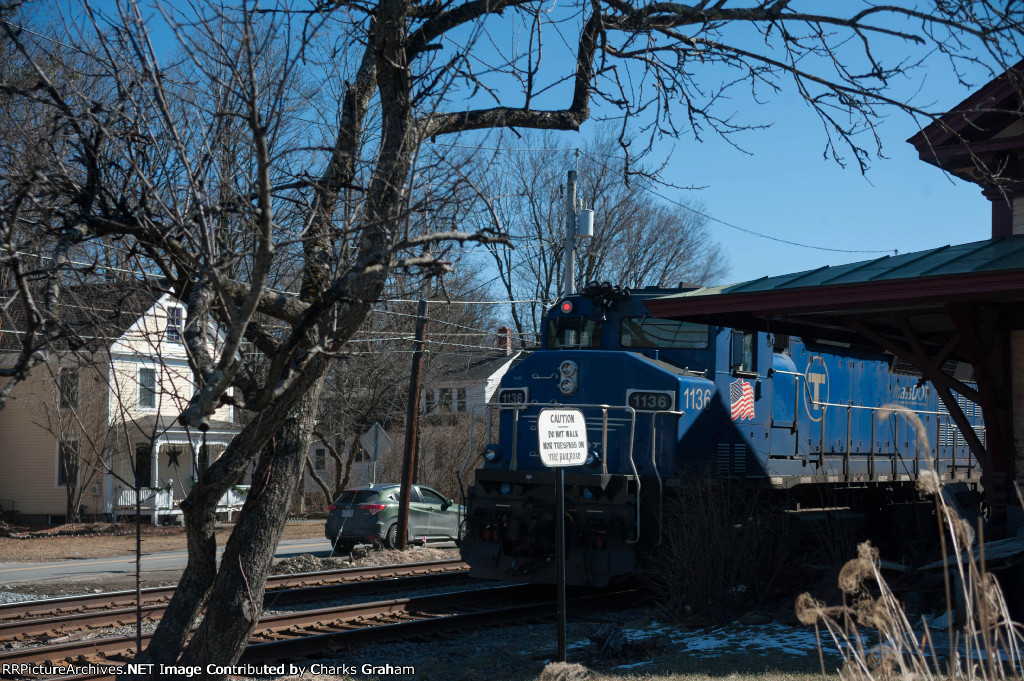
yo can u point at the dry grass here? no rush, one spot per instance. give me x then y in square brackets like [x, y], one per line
[989, 646]
[98, 545]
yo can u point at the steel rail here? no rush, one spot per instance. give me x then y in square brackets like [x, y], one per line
[65, 625]
[64, 605]
[280, 631]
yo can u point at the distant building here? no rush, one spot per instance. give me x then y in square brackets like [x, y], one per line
[100, 417]
[455, 386]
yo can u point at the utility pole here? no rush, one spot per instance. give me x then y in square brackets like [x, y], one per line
[411, 428]
[569, 278]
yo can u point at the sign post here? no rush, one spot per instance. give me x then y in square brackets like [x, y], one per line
[375, 441]
[562, 441]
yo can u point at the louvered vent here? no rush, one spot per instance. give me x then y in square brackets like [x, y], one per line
[961, 371]
[732, 460]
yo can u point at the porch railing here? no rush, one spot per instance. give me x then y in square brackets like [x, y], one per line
[160, 502]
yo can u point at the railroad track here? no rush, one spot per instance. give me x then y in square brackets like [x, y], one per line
[50, 607]
[60, 616]
[318, 632]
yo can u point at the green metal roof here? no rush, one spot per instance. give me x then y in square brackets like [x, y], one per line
[989, 256]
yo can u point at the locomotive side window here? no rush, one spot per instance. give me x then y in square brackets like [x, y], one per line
[573, 332]
[744, 352]
[643, 332]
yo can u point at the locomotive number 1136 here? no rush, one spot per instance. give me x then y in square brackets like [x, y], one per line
[642, 400]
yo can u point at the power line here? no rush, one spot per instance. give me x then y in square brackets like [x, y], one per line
[96, 265]
[517, 149]
[462, 302]
[737, 227]
[463, 345]
[429, 319]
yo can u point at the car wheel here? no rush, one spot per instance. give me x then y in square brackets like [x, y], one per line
[391, 538]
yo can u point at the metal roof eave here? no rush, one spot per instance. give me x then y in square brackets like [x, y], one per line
[875, 295]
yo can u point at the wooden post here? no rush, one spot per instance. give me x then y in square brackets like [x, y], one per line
[411, 428]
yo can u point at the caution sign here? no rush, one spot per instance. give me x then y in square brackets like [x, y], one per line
[562, 437]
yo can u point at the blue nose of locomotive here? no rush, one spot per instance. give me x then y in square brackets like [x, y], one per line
[630, 430]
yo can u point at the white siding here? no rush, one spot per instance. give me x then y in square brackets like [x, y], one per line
[1018, 215]
[495, 378]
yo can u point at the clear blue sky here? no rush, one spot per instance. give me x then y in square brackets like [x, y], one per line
[785, 188]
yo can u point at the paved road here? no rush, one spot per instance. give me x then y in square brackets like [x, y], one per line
[20, 573]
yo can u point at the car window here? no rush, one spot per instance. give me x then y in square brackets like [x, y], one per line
[432, 497]
[357, 496]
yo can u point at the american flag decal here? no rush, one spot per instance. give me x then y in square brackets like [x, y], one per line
[741, 398]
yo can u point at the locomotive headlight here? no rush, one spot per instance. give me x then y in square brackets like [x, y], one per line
[569, 380]
[492, 452]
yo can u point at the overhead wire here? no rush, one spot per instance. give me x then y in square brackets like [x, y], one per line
[745, 230]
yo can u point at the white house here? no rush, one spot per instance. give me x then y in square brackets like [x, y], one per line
[103, 416]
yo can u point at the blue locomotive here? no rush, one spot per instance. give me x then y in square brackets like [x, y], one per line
[665, 397]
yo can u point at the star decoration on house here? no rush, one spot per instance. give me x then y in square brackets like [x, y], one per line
[172, 456]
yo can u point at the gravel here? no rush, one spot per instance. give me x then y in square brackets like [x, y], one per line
[15, 597]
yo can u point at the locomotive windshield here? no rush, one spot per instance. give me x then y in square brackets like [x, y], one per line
[643, 332]
[573, 332]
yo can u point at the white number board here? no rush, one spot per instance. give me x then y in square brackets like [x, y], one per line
[562, 437]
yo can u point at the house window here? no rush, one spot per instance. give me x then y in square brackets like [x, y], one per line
[320, 459]
[143, 465]
[147, 388]
[428, 402]
[67, 463]
[460, 403]
[67, 386]
[175, 323]
[444, 400]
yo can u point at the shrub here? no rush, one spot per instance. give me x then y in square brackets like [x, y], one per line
[720, 549]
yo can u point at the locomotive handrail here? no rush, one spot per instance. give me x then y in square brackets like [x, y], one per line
[654, 463]
[492, 406]
[971, 459]
[870, 408]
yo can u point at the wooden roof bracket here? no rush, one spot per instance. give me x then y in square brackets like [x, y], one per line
[993, 476]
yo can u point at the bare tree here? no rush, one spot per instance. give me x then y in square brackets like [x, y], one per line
[638, 239]
[370, 385]
[231, 172]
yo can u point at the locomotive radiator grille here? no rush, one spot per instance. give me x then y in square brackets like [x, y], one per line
[732, 459]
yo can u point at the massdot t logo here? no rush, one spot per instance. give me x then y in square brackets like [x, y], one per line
[816, 388]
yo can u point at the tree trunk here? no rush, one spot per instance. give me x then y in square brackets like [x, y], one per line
[198, 579]
[239, 587]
